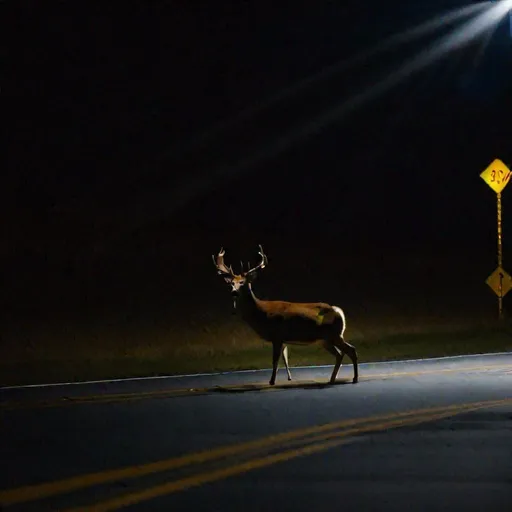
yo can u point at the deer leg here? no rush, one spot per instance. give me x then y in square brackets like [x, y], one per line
[336, 352]
[350, 350]
[285, 359]
[276, 354]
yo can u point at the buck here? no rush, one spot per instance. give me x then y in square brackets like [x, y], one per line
[287, 323]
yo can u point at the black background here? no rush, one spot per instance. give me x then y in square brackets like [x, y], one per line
[109, 168]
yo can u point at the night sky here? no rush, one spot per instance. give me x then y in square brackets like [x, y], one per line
[247, 120]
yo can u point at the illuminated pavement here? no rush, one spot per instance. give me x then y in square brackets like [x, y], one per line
[401, 439]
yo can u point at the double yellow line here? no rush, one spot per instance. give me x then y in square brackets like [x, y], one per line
[287, 445]
[180, 392]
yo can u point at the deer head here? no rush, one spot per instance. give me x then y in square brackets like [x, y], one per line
[238, 281]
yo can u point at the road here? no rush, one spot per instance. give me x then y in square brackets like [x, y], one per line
[415, 435]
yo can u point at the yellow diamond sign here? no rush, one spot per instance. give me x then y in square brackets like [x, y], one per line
[499, 280]
[497, 175]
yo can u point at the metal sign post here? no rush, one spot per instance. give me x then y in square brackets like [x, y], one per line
[497, 176]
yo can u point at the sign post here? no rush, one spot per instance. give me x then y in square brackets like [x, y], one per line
[497, 176]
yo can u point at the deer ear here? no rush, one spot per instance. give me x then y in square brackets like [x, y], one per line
[228, 279]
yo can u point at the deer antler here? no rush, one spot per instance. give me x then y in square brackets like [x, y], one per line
[221, 266]
[262, 264]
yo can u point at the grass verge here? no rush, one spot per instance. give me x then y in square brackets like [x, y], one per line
[162, 359]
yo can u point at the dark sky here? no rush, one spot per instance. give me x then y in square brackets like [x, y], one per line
[110, 103]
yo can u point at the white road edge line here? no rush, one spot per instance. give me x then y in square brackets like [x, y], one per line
[160, 377]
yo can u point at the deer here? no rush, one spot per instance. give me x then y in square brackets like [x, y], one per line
[285, 323]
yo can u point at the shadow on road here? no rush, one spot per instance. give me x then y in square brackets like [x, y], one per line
[67, 400]
[244, 388]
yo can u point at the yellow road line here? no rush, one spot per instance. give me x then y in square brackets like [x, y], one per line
[44, 490]
[101, 399]
[169, 393]
[337, 439]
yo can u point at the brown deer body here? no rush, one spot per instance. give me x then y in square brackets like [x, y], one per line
[288, 323]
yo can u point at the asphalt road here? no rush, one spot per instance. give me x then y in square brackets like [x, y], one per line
[430, 435]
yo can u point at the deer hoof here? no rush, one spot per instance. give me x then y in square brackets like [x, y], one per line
[355, 380]
[272, 382]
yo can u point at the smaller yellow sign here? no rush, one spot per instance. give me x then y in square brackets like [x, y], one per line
[500, 282]
[497, 175]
